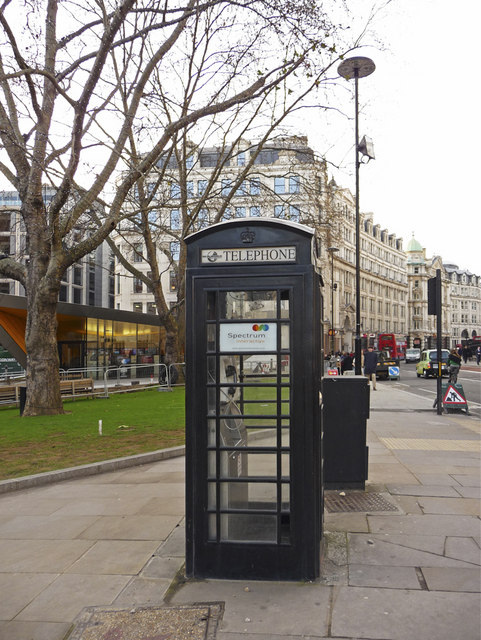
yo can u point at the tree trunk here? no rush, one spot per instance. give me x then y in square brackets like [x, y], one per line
[43, 382]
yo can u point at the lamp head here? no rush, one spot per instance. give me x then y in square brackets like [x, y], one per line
[366, 148]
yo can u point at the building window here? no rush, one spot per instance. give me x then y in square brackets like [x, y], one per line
[240, 212]
[77, 275]
[294, 213]
[279, 185]
[201, 187]
[137, 306]
[202, 219]
[241, 159]
[175, 219]
[137, 285]
[174, 190]
[255, 212]
[189, 162]
[226, 186]
[138, 252]
[63, 293]
[172, 281]
[175, 250]
[77, 295]
[255, 186]
[294, 184]
[279, 211]
[241, 189]
[151, 308]
[190, 189]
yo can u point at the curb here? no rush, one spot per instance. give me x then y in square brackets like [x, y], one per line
[83, 471]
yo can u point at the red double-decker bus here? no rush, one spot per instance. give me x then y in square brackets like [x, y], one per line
[396, 345]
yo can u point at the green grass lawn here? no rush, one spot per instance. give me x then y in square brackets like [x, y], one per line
[131, 423]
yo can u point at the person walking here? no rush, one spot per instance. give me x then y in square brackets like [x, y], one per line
[478, 355]
[346, 363]
[370, 366]
[454, 364]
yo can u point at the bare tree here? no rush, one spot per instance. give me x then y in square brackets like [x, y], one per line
[77, 84]
[168, 186]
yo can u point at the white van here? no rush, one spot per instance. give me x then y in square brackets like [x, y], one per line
[412, 355]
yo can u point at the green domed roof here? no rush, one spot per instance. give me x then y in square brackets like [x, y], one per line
[413, 245]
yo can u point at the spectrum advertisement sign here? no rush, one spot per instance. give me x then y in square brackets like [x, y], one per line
[248, 336]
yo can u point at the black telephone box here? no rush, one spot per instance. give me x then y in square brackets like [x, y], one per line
[253, 435]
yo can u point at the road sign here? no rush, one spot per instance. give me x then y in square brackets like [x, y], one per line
[454, 395]
[393, 372]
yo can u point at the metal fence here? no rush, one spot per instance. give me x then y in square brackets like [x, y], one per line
[109, 379]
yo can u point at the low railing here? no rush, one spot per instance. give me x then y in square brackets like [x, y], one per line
[111, 379]
[162, 375]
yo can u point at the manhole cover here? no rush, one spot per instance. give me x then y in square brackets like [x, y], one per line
[356, 501]
[195, 622]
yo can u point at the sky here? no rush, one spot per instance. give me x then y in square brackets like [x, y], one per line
[421, 107]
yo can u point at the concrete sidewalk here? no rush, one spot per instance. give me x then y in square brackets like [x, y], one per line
[117, 540]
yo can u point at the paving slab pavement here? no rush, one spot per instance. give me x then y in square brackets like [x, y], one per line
[116, 539]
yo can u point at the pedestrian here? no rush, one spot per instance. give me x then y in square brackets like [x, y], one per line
[338, 363]
[465, 354]
[346, 363]
[370, 366]
[478, 355]
[454, 364]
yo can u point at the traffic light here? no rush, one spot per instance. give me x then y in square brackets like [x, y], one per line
[432, 300]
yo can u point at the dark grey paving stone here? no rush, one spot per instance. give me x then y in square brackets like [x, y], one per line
[368, 550]
[469, 492]
[443, 579]
[464, 549]
[20, 630]
[143, 591]
[400, 614]
[468, 480]
[449, 525]
[386, 577]
[422, 490]
[458, 506]
[276, 608]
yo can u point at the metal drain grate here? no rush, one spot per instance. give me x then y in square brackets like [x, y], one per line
[197, 622]
[356, 501]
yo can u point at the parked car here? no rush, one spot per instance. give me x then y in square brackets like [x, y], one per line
[428, 364]
[412, 355]
[384, 361]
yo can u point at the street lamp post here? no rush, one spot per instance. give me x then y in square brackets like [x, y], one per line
[358, 67]
[332, 251]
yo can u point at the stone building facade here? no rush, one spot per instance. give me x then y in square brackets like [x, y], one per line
[284, 180]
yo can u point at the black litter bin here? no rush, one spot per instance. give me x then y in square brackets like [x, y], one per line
[22, 389]
[345, 410]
